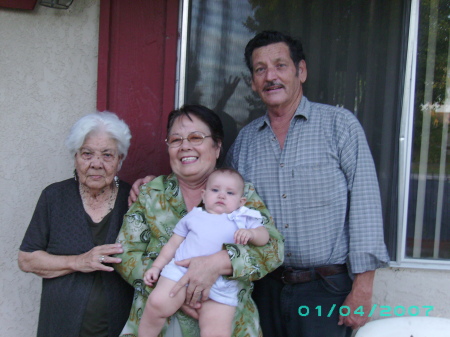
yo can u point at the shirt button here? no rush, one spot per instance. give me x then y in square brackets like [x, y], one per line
[282, 165]
[284, 196]
[286, 226]
[274, 139]
[288, 254]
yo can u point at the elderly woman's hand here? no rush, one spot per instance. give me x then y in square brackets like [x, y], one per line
[49, 266]
[202, 272]
[95, 258]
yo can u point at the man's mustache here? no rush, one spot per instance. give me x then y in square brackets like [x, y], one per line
[269, 85]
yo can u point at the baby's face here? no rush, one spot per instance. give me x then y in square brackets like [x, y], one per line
[223, 193]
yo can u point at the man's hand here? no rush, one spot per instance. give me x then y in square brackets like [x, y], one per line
[361, 295]
[202, 272]
[134, 192]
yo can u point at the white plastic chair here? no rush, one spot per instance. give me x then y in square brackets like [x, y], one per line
[415, 326]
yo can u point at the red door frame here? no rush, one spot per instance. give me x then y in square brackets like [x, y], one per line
[137, 75]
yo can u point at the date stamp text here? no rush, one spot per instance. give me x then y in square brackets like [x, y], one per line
[383, 310]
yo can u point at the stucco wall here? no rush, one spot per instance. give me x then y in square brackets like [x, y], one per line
[412, 287]
[48, 74]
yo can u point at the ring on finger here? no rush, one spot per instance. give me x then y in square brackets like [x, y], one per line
[101, 258]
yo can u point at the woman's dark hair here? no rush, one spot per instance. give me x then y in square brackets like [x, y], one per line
[206, 115]
[269, 37]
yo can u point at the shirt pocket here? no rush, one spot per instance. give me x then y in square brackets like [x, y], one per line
[318, 185]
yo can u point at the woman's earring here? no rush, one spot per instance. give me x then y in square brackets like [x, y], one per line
[116, 180]
[75, 174]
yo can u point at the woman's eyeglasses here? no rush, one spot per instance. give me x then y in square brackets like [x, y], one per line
[195, 138]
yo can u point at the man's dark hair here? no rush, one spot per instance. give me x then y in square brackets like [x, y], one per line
[269, 37]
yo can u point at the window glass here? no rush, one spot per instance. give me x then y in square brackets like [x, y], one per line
[428, 222]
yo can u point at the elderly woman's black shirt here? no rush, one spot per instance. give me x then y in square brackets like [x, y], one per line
[59, 226]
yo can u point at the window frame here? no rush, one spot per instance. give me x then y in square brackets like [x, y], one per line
[183, 25]
[405, 151]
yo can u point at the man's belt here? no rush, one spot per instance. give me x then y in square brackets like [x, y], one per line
[289, 275]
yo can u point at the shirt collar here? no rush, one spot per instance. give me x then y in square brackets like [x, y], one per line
[303, 110]
[173, 191]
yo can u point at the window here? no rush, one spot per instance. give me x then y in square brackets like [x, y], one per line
[358, 56]
[425, 216]
[355, 54]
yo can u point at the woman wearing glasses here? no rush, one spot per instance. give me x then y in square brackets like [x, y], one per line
[194, 139]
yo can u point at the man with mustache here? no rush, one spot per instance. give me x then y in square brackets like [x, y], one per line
[312, 166]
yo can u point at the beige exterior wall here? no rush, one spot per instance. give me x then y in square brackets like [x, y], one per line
[48, 77]
[412, 287]
[48, 74]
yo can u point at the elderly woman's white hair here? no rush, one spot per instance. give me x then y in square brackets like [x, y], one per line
[95, 122]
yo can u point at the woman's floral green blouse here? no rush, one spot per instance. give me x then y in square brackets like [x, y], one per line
[148, 226]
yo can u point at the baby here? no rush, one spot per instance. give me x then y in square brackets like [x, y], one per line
[202, 232]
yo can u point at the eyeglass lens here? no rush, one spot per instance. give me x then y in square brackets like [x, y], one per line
[195, 138]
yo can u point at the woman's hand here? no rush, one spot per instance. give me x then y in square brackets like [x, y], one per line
[190, 311]
[48, 265]
[95, 258]
[134, 192]
[202, 272]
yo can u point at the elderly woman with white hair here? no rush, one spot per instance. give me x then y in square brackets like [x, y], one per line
[70, 241]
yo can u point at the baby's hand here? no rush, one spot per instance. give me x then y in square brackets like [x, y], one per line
[151, 276]
[242, 236]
